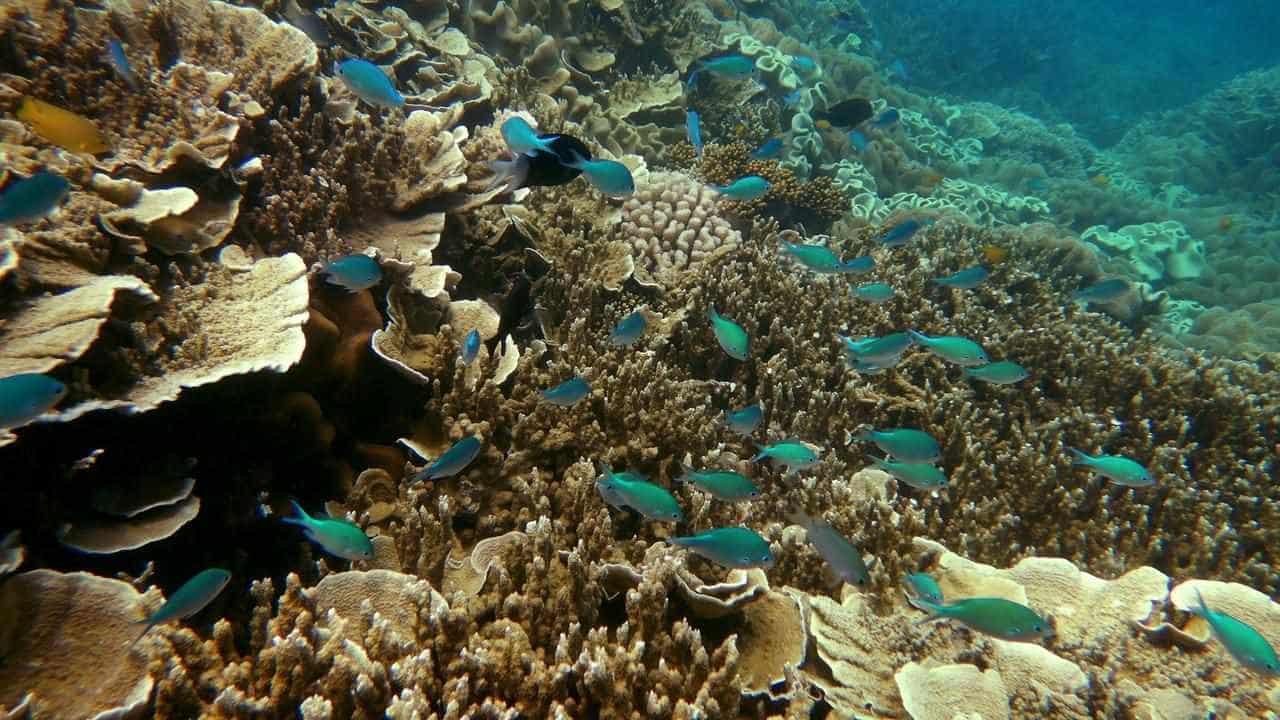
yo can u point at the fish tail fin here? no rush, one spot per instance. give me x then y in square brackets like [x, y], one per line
[687, 474]
[683, 541]
[918, 336]
[693, 79]
[1201, 608]
[879, 461]
[575, 159]
[302, 519]
[1079, 457]
[936, 611]
[509, 173]
[763, 454]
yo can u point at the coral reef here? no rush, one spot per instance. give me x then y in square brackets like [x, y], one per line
[180, 285]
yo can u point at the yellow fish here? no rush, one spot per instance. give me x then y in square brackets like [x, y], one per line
[822, 124]
[62, 127]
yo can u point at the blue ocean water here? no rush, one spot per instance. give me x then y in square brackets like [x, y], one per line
[1098, 65]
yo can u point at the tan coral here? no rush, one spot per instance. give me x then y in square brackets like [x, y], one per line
[395, 597]
[104, 536]
[67, 628]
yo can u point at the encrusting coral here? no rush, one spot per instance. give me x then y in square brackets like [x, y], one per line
[182, 280]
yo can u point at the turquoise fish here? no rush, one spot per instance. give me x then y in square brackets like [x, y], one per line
[771, 149]
[859, 265]
[628, 330]
[1005, 372]
[961, 351]
[194, 595]
[731, 547]
[905, 444]
[452, 461]
[631, 490]
[966, 279]
[26, 396]
[874, 293]
[744, 189]
[793, 454]
[336, 537]
[353, 272]
[470, 347]
[1118, 469]
[997, 617]
[721, 484]
[745, 420]
[1102, 292]
[858, 140]
[30, 199]
[568, 392]
[737, 66]
[1245, 644]
[821, 259]
[882, 352]
[367, 82]
[923, 587]
[693, 128]
[901, 233]
[843, 556]
[522, 139]
[120, 63]
[732, 338]
[608, 176]
[921, 476]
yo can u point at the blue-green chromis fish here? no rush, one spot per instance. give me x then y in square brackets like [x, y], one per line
[901, 233]
[732, 338]
[120, 63]
[336, 537]
[452, 461]
[794, 454]
[880, 352]
[1118, 469]
[730, 65]
[1102, 292]
[731, 547]
[1005, 372]
[630, 490]
[693, 128]
[194, 595]
[31, 199]
[771, 149]
[803, 64]
[522, 139]
[997, 617]
[1245, 644]
[842, 555]
[744, 421]
[905, 444]
[744, 189]
[568, 392]
[470, 347]
[608, 176]
[353, 272]
[721, 484]
[820, 259]
[966, 279]
[921, 476]
[923, 587]
[874, 293]
[27, 396]
[961, 351]
[628, 330]
[367, 82]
